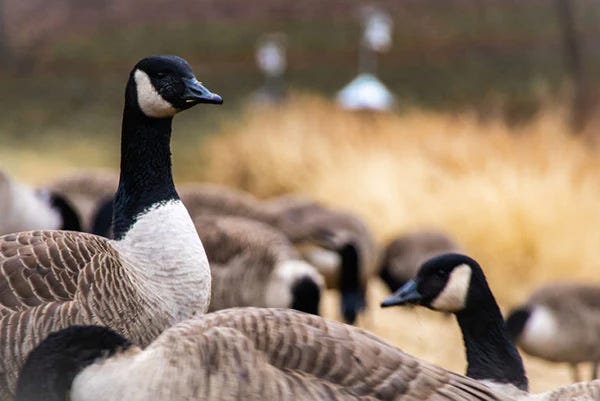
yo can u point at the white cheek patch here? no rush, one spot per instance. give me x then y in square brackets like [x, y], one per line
[539, 335]
[287, 273]
[454, 296]
[150, 101]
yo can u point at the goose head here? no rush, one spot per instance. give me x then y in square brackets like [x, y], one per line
[165, 85]
[52, 366]
[444, 283]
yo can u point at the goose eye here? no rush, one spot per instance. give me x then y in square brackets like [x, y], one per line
[160, 74]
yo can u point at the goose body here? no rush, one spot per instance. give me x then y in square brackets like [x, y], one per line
[560, 323]
[24, 208]
[337, 243]
[252, 264]
[153, 274]
[402, 256]
[455, 283]
[239, 354]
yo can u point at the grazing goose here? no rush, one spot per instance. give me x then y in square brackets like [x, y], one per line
[337, 243]
[24, 208]
[85, 189]
[402, 257]
[262, 260]
[560, 323]
[154, 274]
[237, 354]
[455, 283]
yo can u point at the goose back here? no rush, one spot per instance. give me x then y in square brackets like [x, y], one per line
[402, 256]
[252, 264]
[269, 354]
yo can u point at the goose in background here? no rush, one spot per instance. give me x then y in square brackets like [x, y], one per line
[402, 256]
[560, 323]
[252, 264]
[337, 243]
[237, 354]
[153, 275]
[86, 190]
[455, 283]
[24, 208]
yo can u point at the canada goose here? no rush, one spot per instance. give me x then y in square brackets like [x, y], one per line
[85, 189]
[455, 283]
[24, 208]
[237, 354]
[403, 256]
[245, 251]
[337, 243]
[560, 323]
[154, 274]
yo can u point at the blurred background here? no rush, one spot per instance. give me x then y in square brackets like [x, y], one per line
[489, 129]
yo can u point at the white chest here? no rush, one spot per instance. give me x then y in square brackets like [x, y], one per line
[166, 256]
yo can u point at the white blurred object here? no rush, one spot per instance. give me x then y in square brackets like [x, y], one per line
[366, 92]
[272, 61]
[270, 54]
[377, 33]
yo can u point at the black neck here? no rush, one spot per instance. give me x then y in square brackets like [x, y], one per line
[146, 178]
[490, 353]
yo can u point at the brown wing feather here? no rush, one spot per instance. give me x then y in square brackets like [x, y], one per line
[53, 279]
[341, 357]
[38, 267]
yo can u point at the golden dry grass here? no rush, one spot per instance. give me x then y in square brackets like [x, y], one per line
[525, 202]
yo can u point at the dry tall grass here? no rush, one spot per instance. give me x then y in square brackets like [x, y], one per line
[524, 201]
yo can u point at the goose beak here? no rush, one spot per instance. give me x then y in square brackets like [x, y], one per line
[195, 93]
[407, 294]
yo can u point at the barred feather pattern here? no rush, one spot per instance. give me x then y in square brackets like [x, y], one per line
[244, 256]
[271, 354]
[53, 279]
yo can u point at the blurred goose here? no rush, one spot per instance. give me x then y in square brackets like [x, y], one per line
[337, 243]
[252, 264]
[237, 354]
[154, 274]
[24, 208]
[455, 283]
[403, 256]
[85, 189]
[560, 323]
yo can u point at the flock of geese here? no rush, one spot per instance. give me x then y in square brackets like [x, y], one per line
[115, 289]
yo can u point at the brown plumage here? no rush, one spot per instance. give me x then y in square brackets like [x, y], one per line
[337, 243]
[253, 264]
[266, 354]
[560, 323]
[402, 257]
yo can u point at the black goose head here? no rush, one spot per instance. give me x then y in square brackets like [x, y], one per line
[60, 204]
[52, 365]
[516, 322]
[165, 85]
[444, 283]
